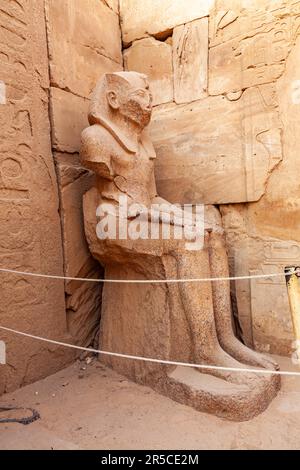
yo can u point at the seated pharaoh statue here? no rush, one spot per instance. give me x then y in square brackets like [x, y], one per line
[166, 316]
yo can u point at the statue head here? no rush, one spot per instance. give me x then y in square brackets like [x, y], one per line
[122, 94]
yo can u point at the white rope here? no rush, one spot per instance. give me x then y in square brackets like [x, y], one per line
[157, 361]
[146, 281]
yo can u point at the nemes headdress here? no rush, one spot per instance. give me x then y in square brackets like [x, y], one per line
[117, 81]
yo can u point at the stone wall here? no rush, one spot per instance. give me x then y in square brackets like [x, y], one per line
[84, 41]
[225, 78]
[51, 55]
[30, 234]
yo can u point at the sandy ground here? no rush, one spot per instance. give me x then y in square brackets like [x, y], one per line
[96, 408]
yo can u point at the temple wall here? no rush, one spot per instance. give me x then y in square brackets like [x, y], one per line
[84, 41]
[51, 55]
[225, 79]
[30, 233]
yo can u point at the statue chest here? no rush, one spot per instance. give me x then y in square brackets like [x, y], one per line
[136, 168]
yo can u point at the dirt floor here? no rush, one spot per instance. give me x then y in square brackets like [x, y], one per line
[87, 406]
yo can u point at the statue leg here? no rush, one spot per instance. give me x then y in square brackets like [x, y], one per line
[197, 300]
[222, 307]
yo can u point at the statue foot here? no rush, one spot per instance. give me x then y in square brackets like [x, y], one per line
[223, 359]
[246, 355]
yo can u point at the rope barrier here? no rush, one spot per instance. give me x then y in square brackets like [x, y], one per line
[140, 358]
[156, 361]
[147, 281]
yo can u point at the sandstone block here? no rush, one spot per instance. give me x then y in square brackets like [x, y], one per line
[156, 17]
[69, 118]
[153, 58]
[84, 41]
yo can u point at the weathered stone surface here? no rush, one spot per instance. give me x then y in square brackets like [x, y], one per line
[83, 300]
[153, 58]
[203, 146]
[154, 17]
[190, 60]
[250, 47]
[30, 236]
[68, 119]
[84, 41]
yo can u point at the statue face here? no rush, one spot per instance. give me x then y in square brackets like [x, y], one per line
[134, 103]
[139, 105]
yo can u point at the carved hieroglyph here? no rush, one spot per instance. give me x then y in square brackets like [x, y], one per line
[248, 47]
[30, 238]
[180, 322]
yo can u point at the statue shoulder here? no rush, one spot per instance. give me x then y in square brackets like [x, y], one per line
[96, 137]
[96, 149]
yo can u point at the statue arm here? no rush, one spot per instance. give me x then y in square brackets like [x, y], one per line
[212, 219]
[168, 211]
